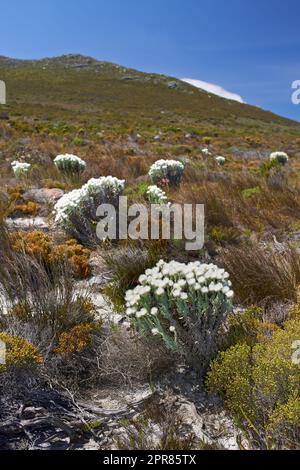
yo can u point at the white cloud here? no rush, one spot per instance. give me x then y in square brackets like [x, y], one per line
[215, 89]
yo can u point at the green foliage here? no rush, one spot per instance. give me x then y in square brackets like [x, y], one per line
[261, 385]
[248, 327]
[127, 265]
[136, 192]
[184, 306]
[250, 192]
[267, 166]
[19, 353]
[224, 234]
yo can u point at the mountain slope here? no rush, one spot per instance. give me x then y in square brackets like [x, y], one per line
[83, 88]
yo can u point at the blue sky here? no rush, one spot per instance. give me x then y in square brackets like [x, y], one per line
[250, 47]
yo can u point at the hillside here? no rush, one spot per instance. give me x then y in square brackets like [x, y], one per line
[86, 90]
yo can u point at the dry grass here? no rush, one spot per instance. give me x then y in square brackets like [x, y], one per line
[263, 273]
[229, 202]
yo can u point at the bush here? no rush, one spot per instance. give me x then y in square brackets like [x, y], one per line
[69, 165]
[220, 160]
[183, 305]
[19, 353]
[250, 192]
[76, 211]
[261, 386]
[28, 208]
[20, 169]
[156, 195]
[267, 166]
[76, 340]
[166, 172]
[224, 235]
[248, 327]
[40, 246]
[279, 157]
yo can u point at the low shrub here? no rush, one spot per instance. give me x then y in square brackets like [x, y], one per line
[220, 160]
[76, 211]
[267, 166]
[166, 172]
[20, 169]
[224, 235]
[39, 245]
[279, 157]
[261, 387]
[156, 195]
[248, 327]
[28, 208]
[251, 192]
[76, 340]
[182, 305]
[69, 165]
[19, 353]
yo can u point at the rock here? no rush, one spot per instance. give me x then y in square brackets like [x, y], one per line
[24, 141]
[43, 195]
[31, 412]
[27, 223]
[173, 85]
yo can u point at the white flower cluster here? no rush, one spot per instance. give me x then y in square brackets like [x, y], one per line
[156, 195]
[175, 287]
[206, 151]
[76, 199]
[104, 185]
[166, 169]
[280, 157]
[69, 163]
[20, 168]
[220, 160]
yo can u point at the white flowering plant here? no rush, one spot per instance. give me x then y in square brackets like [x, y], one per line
[69, 164]
[20, 169]
[156, 195]
[279, 157]
[76, 210]
[164, 172]
[184, 305]
[220, 160]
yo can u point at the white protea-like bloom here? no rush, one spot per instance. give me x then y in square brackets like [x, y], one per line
[68, 163]
[279, 157]
[206, 151]
[20, 168]
[74, 201]
[156, 195]
[167, 171]
[169, 292]
[220, 160]
[104, 185]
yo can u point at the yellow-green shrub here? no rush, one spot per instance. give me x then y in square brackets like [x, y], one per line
[261, 385]
[19, 353]
[248, 327]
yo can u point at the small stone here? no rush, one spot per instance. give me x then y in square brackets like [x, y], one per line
[43, 195]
